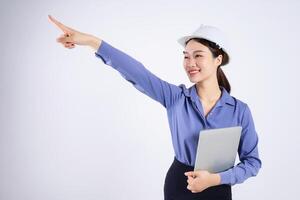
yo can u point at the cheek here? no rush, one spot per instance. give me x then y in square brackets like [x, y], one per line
[208, 65]
[208, 69]
[185, 65]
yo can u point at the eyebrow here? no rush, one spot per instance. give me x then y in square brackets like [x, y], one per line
[184, 52]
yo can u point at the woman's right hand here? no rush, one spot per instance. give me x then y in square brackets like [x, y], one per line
[71, 37]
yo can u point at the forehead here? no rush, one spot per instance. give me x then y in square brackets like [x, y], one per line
[193, 47]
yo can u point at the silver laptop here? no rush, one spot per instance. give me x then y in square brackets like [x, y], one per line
[217, 149]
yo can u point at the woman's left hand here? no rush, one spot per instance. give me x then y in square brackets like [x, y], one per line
[200, 180]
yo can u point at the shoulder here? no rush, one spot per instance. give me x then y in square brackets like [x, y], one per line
[185, 90]
[241, 108]
[244, 112]
[234, 102]
[240, 103]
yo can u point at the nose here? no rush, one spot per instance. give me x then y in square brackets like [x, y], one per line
[192, 62]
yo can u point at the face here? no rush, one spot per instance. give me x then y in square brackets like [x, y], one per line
[199, 62]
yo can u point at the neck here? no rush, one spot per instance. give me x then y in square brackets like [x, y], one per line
[209, 90]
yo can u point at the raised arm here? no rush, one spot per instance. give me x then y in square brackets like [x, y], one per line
[130, 69]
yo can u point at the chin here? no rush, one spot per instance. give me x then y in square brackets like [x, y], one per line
[193, 80]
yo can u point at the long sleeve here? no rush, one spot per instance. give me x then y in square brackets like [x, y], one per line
[248, 153]
[140, 77]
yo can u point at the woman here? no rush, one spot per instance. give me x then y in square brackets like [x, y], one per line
[205, 105]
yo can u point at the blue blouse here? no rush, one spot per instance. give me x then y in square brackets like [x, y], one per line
[186, 117]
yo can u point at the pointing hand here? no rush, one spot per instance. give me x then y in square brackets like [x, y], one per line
[72, 37]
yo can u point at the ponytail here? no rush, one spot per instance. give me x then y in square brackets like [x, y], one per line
[222, 80]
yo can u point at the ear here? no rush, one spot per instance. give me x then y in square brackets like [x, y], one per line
[218, 60]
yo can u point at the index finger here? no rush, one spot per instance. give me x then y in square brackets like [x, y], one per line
[64, 28]
[189, 173]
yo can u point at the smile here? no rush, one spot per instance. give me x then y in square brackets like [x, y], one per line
[193, 72]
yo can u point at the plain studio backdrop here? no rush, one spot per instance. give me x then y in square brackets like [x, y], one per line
[73, 129]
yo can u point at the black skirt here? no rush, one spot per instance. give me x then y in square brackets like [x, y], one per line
[175, 187]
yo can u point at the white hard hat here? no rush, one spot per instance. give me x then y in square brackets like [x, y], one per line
[210, 33]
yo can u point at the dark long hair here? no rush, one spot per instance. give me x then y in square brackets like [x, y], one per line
[216, 51]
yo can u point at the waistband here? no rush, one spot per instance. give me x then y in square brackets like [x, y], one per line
[178, 163]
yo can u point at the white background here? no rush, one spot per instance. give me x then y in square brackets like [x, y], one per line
[72, 128]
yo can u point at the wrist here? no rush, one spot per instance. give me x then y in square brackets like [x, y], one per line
[94, 42]
[215, 179]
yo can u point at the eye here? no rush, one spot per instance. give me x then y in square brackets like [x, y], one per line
[185, 57]
[198, 56]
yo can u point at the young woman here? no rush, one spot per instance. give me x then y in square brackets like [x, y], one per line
[205, 105]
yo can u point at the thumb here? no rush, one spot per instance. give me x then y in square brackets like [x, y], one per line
[65, 38]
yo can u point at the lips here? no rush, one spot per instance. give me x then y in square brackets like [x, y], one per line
[194, 71]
